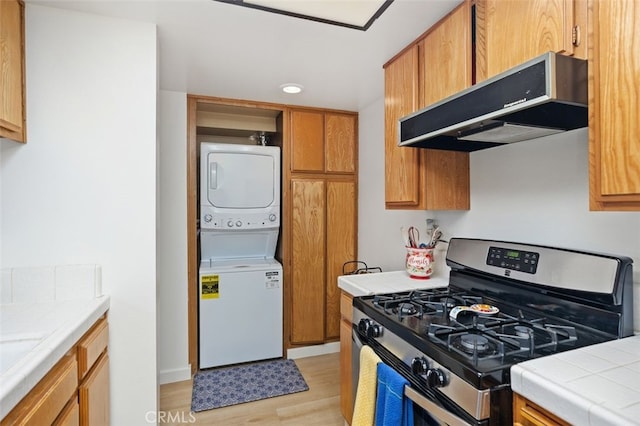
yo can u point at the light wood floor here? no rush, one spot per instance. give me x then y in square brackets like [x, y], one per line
[320, 405]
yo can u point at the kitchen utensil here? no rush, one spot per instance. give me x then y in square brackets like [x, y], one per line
[435, 237]
[414, 236]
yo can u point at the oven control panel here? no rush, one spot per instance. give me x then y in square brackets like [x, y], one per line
[517, 260]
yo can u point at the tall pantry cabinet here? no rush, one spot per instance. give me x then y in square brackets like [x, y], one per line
[321, 178]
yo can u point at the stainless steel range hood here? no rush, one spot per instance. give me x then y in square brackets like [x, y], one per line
[544, 96]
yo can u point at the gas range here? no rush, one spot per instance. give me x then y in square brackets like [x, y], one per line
[505, 303]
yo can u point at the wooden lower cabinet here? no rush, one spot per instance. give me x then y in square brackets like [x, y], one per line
[70, 394]
[526, 413]
[93, 368]
[49, 397]
[346, 371]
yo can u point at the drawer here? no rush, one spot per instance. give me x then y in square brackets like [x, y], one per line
[49, 397]
[92, 345]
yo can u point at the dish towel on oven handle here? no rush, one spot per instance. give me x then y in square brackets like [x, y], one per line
[365, 405]
[392, 407]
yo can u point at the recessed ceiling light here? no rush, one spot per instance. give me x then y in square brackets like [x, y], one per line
[291, 88]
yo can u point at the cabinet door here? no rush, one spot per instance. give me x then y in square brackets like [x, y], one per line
[445, 68]
[526, 413]
[307, 136]
[340, 142]
[12, 108]
[49, 397]
[512, 32]
[346, 346]
[94, 395]
[341, 245]
[614, 68]
[308, 261]
[402, 165]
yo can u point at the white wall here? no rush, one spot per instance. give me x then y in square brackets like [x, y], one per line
[173, 353]
[535, 191]
[379, 236]
[82, 190]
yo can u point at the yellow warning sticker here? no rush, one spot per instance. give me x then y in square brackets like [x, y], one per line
[210, 286]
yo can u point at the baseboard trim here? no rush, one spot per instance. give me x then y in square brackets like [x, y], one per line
[307, 351]
[174, 375]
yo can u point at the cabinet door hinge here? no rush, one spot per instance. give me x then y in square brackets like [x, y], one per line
[575, 35]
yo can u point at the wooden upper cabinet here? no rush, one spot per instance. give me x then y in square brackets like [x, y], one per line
[341, 134]
[435, 67]
[510, 32]
[614, 78]
[323, 141]
[402, 165]
[307, 135]
[12, 90]
[445, 69]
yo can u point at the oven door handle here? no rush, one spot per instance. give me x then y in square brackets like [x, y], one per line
[435, 410]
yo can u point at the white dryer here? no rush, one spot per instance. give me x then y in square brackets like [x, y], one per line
[240, 282]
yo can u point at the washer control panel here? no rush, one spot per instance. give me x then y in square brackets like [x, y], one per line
[239, 221]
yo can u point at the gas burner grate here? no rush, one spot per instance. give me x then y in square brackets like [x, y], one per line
[490, 337]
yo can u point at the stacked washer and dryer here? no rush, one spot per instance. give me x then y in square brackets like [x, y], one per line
[240, 282]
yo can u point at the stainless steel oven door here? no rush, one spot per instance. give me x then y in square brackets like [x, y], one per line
[426, 412]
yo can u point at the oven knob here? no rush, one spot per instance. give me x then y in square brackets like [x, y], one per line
[272, 217]
[436, 378]
[374, 330]
[419, 365]
[363, 325]
[230, 223]
[207, 218]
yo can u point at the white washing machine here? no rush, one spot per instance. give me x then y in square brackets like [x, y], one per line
[240, 311]
[240, 282]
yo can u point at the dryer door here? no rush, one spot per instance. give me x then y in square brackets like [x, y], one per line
[237, 180]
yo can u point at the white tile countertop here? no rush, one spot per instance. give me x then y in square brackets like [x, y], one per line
[387, 282]
[594, 385]
[43, 313]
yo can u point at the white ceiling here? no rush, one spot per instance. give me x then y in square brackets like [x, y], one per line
[217, 49]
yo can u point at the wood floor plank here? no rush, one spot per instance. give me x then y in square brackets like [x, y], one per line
[320, 405]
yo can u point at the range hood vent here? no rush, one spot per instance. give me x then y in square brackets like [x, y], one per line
[541, 97]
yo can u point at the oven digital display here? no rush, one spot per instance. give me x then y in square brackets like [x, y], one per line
[516, 260]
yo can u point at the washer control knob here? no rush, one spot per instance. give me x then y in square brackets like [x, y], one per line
[238, 223]
[207, 218]
[436, 378]
[230, 224]
[272, 217]
[419, 365]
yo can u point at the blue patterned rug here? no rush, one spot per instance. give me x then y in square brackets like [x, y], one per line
[222, 387]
